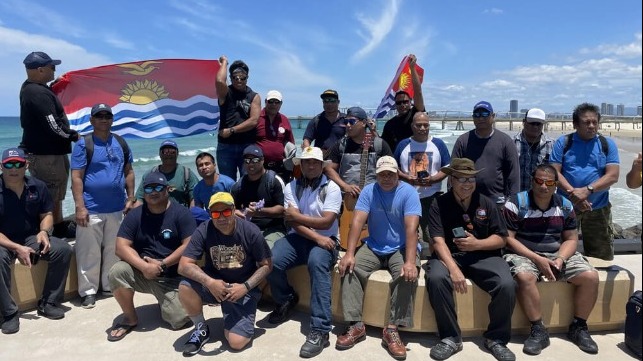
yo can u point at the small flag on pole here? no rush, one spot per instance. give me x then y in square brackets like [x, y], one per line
[162, 98]
[401, 81]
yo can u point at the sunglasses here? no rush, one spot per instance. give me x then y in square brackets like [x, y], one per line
[104, 116]
[351, 121]
[168, 151]
[535, 124]
[16, 165]
[156, 188]
[239, 78]
[481, 114]
[329, 100]
[402, 102]
[465, 179]
[251, 160]
[217, 214]
[548, 182]
[273, 101]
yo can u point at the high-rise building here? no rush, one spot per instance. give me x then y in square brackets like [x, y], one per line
[604, 108]
[513, 106]
[620, 110]
[610, 109]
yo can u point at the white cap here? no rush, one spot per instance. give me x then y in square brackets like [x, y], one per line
[274, 94]
[535, 115]
[311, 153]
[386, 163]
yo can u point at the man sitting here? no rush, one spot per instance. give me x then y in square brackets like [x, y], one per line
[542, 243]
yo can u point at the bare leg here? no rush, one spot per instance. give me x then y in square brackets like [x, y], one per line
[528, 295]
[236, 342]
[125, 298]
[585, 293]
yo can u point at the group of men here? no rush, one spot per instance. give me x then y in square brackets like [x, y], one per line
[509, 218]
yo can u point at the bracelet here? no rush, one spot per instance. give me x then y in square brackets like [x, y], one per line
[562, 259]
[247, 285]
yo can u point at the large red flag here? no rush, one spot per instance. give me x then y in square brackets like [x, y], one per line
[401, 81]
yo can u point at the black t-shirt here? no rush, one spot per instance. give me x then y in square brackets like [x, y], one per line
[483, 219]
[232, 258]
[323, 132]
[157, 235]
[398, 128]
[234, 111]
[335, 154]
[267, 188]
[20, 217]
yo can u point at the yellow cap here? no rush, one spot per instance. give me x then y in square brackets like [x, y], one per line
[221, 197]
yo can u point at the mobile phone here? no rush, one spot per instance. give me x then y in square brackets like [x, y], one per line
[422, 174]
[34, 257]
[459, 233]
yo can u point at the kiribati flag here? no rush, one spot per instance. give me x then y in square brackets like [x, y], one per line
[401, 81]
[162, 98]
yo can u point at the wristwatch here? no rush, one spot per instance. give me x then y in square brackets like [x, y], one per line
[163, 267]
[231, 130]
[590, 189]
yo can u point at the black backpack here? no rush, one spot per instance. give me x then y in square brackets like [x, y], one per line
[568, 145]
[89, 149]
[633, 324]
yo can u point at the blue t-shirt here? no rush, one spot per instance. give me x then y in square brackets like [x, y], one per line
[203, 192]
[585, 163]
[104, 183]
[386, 212]
[157, 235]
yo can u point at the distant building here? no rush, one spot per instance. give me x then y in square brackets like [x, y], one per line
[620, 110]
[513, 107]
[604, 108]
[610, 109]
[639, 110]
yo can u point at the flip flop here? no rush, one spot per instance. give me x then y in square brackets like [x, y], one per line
[119, 327]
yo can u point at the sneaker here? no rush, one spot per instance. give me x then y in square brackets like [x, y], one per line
[315, 343]
[199, 337]
[88, 301]
[394, 345]
[11, 323]
[352, 335]
[50, 310]
[580, 336]
[538, 339]
[499, 350]
[445, 349]
[281, 312]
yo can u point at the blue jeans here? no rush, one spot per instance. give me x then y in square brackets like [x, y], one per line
[294, 250]
[230, 159]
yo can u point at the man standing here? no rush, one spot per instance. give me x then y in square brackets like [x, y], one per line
[399, 127]
[325, 129]
[25, 233]
[587, 165]
[533, 146]
[392, 209]
[237, 260]
[46, 136]
[102, 181]
[150, 242]
[259, 196]
[212, 181]
[420, 157]
[468, 236]
[494, 154]
[239, 108]
[312, 203]
[181, 179]
[542, 242]
[273, 133]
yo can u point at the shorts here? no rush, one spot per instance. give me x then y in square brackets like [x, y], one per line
[575, 265]
[53, 170]
[238, 317]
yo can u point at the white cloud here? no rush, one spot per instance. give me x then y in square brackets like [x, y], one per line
[377, 29]
[118, 42]
[42, 17]
[494, 11]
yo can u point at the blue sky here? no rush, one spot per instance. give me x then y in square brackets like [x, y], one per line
[549, 54]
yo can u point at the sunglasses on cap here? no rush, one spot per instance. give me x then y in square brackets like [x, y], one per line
[217, 214]
[547, 182]
[153, 188]
[402, 102]
[481, 114]
[465, 179]
[16, 165]
[273, 101]
[251, 160]
[329, 100]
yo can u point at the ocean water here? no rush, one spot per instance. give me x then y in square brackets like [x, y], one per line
[626, 203]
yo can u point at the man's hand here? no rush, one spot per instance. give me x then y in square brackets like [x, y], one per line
[352, 189]
[326, 243]
[153, 269]
[409, 272]
[467, 244]
[577, 195]
[235, 291]
[82, 216]
[412, 60]
[223, 60]
[291, 213]
[22, 253]
[458, 281]
[218, 289]
[346, 264]
[129, 205]
[43, 242]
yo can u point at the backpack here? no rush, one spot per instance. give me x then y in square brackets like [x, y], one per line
[523, 205]
[300, 186]
[271, 177]
[89, 149]
[633, 338]
[568, 145]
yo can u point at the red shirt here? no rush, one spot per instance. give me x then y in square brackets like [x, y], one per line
[273, 135]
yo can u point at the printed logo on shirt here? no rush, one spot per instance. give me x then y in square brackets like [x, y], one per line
[481, 214]
[227, 257]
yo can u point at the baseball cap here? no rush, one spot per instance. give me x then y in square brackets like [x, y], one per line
[169, 143]
[253, 150]
[221, 197]
[155, 178]
[311, 153]
[356, 112]
[100, 107]
[39, 59]
[329, 93]
[460, 165]
[535, 115]
[15, 154]
[274, 94]
[483, 105]
[386, 163]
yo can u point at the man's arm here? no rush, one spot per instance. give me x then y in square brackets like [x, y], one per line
[126, 252]
[511, 169]
[253, 119]
[633, 178]
[263, 270]
[331, 172]
[293, 216]
[175, 256]
[22, 252]
[77, 186]
[221, 84]
[418, 98]
[409, 269]
[130, 187]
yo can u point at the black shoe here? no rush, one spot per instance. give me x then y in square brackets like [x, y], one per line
[88, 301]
[199, 337]
[580, 336]
[11, 323]
[499, 350]
[50, 310]
[538, 339]
[281, 312]
[444, 350]
[315, 343]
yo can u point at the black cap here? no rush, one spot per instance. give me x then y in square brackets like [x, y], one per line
[155, 178]
[39, 59]
[100, 107]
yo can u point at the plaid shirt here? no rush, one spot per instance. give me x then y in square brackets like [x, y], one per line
[530, 156]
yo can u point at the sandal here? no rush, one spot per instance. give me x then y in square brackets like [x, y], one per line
[125, 329]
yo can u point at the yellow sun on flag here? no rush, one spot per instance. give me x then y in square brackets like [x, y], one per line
[405, 81]
[143, 92]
